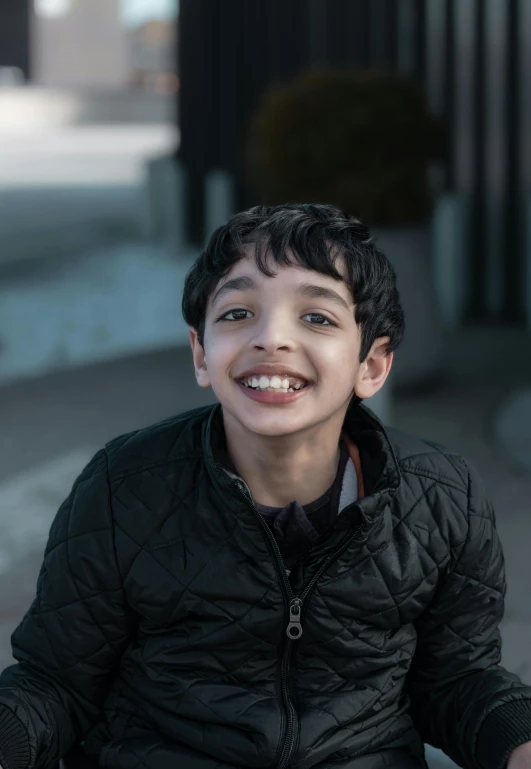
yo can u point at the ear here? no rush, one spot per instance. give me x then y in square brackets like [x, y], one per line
[199, 358]
[374, 370]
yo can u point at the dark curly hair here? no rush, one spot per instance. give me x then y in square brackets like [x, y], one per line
[315, 234]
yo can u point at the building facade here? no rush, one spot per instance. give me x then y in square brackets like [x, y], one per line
[83, 44]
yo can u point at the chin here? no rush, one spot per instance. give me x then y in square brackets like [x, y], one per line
[262, 420]
[273, 428]
[271, 425]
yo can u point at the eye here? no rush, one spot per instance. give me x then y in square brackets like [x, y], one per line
[230, 312]
[327, 321]
[318, 315]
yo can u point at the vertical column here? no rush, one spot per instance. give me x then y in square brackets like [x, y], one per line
[15, 35]
[463, 137]
[406, 37]
[449, 90]
[383, 34]
[391, 34]
[196, 104]
[449, 261]
[317, 27]
[435, 20]
[362, 33]
[513, 237]
[377, 34]
[495, 78]
[477, 305]
[525, 136]
[420, 40]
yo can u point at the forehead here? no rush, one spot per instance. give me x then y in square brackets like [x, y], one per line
[245, 275]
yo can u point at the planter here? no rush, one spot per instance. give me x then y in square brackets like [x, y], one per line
[450, 270]
[418, 362]
[511, 426]
[163, 204]
[165, 189]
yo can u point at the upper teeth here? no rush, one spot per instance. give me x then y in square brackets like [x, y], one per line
[275, 381]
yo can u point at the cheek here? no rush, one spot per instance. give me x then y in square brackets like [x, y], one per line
[338, 365]
[333, 356]
[220, 356]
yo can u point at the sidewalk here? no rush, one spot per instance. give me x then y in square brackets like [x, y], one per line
[63, 312]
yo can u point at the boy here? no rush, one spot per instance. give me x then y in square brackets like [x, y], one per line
[275, 580]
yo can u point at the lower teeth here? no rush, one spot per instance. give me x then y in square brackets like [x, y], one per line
[274, 389]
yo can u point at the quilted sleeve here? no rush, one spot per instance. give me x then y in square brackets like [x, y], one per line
[70, 641]
[462, 701]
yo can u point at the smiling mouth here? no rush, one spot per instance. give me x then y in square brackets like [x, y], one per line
[274, 389]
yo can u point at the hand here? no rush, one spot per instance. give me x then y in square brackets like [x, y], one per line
[520, 758]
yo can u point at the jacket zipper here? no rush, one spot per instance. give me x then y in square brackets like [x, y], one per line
[294, 627]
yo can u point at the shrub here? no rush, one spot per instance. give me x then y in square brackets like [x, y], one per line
[361, 141]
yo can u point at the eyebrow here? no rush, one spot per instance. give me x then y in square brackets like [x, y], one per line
[246, 283]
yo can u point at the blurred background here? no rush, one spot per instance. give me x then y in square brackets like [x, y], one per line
[130, 129]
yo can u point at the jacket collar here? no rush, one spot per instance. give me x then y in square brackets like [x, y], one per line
[381, 473]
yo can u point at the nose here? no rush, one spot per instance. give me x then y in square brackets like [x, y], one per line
[273, 332]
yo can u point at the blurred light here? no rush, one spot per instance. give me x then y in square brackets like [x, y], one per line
[52, 9]
[138, 12]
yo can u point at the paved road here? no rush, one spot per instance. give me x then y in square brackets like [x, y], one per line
[64, 190]
[81, 155]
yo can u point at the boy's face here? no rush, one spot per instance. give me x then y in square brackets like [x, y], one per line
[275, 323]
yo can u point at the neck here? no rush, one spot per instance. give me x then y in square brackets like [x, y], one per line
[281, 469]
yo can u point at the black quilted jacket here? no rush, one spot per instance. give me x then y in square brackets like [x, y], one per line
[158, 633]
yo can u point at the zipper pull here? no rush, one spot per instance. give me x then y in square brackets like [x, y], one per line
[294, 629]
